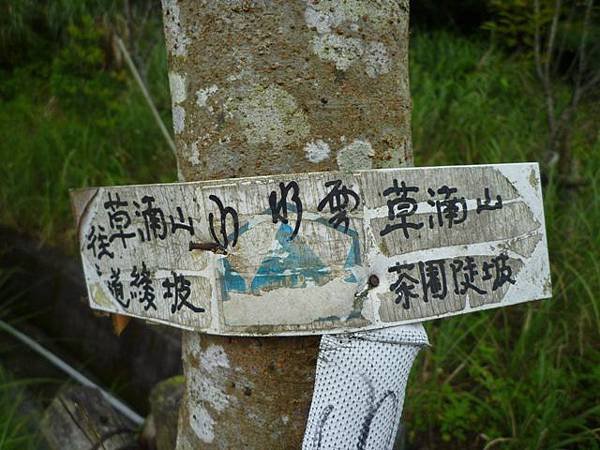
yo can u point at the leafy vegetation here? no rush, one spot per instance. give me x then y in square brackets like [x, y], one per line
[76, 120]
[522, 377]
[562, 39]
[519, 377]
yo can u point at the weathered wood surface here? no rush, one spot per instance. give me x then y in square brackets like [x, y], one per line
[80, 419]
[440, 241]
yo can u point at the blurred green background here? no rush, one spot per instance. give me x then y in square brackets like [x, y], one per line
[527, 376]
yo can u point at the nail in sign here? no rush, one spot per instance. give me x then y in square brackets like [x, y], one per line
[316, 252]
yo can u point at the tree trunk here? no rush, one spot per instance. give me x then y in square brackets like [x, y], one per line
[261, 87]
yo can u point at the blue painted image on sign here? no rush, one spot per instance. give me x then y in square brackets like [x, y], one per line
[291, 262]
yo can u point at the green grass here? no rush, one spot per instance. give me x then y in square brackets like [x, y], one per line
[48, 147]
[524, 377]
[17, 429]
[472, 104]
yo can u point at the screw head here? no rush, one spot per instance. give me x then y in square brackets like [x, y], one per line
[373, 281]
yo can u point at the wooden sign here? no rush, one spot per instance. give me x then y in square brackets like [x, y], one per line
[316, 252]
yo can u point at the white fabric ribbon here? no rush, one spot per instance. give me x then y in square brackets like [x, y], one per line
[359, 388]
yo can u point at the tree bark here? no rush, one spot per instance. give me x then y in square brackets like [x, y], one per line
[261, 87]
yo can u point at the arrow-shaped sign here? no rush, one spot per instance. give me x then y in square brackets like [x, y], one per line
[316, 252]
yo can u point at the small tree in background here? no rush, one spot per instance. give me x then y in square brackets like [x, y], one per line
[563, 37]
[578, 69]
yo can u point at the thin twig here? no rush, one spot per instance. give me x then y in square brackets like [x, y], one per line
[142, 87]
[455, 372]
[537, 40]
[591, 83]
[563, 41]
[552, 37]
[497, 441]
[542, 73]
[582, 61]
[580, 86]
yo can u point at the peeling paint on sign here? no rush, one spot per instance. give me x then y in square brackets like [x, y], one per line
[293, 254]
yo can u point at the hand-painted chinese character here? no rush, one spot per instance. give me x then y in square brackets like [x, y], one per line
[404, 285]
[103, 244]
[115, 286]
[279, 208]
[338, 201]
[433, 279]
[144, 292]
[178, 289]
[486, 205]
[401, 208]
[181, 224]
[154, 220]
[91, 240]
[119, 219]
[223, 213]
[466, 269]
[451, 208]
[101, 239]
[502, 271]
